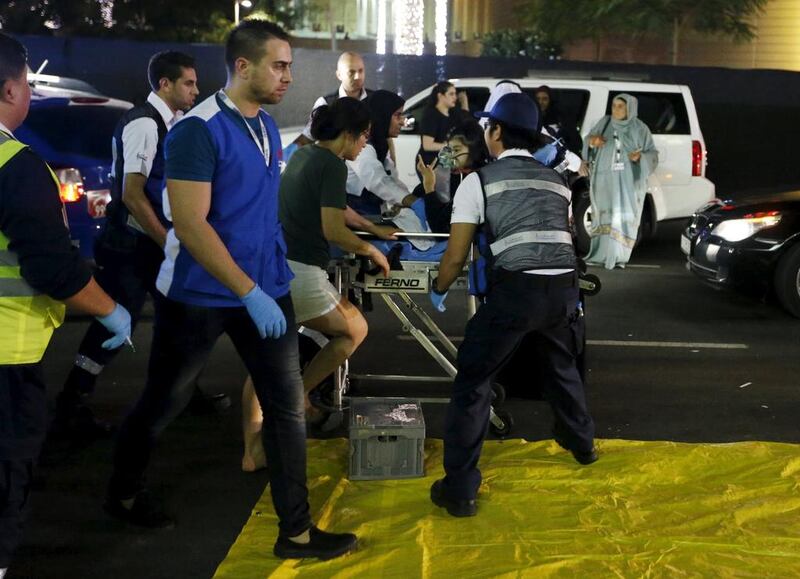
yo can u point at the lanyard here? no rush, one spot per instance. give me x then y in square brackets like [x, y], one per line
[618, 147]
[263, 145]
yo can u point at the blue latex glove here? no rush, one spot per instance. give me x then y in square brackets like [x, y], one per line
[118, 322]
[545, 155]
[266, 314]
[438, 301]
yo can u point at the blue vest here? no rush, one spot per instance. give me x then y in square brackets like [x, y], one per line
[117, 212]
[243, 212]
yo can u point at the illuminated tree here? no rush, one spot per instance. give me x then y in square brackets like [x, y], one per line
[569, 20]
[409, 26]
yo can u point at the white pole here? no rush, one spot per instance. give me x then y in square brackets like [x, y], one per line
[236, 12]
[380, 47]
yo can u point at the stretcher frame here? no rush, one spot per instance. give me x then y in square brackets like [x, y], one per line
[345, 272]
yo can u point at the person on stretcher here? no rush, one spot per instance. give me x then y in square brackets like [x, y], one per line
[464, 153]
[314, 214]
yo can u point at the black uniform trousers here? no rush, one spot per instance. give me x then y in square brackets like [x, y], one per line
[518, 304]
[183, 337]
[23, 420]
[127, 275]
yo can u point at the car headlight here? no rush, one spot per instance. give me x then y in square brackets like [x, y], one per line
[749, 225]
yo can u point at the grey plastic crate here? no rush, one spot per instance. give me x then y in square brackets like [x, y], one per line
[387, 438]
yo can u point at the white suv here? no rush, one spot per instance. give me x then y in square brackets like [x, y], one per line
[676, 189]
[678, 186]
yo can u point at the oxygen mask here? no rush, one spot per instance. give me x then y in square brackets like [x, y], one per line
[448, 158]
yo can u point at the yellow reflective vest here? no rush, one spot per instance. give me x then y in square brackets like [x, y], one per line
[27, 317]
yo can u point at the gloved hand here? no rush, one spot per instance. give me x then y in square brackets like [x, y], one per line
[437, 299]
[118, 322]
[266, 313]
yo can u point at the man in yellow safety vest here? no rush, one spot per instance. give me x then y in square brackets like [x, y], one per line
[40, 274]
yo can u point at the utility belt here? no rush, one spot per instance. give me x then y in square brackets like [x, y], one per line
[540, 281]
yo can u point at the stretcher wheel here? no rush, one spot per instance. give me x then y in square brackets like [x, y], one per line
[505, 417]
[589, 284]
[499, 392]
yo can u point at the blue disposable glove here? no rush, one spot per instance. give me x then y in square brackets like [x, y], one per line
[266, 313]
[118, 322]
[437, 299]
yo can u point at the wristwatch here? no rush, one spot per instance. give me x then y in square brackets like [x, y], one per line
[435, 287]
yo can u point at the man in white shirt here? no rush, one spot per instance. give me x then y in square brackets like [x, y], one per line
[351, 74]
[522, 209]
[129, 250]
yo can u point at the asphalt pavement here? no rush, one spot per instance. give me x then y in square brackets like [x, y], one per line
[669, 358]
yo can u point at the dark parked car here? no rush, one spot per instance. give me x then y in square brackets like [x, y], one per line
[73, 132]
[751, 242]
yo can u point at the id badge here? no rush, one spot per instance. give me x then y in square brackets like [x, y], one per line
[618, 166]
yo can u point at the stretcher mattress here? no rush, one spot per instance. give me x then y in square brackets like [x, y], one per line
[407, 252]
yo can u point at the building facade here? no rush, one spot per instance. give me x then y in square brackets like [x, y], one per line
[414, 26]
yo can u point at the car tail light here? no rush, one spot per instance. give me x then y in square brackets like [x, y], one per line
[71, 184]
[697, 159]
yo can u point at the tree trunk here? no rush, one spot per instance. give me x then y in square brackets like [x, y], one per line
[334, 46]
[676, 39]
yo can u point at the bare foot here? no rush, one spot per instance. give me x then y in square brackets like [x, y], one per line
[254, 458]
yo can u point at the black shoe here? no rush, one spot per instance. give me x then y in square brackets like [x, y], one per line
[457, 508]
[321, 546]
[582, 456]
[79, 424]
[203, 404]
[145, 511]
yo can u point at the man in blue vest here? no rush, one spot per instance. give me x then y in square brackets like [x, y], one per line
[130, 249]
[225, 271]
[40, 271]
[523, 209]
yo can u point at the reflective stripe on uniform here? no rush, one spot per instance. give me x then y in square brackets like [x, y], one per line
[516, 184]
[501, 245]
[15, 287]
[27, 317]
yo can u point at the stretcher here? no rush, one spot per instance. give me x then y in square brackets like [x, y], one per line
[356, 276]
[415, 271]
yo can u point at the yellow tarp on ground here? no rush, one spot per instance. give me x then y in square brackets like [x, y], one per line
[646, 509]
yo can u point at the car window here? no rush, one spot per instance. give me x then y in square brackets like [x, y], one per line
[476, 96]
[663, 112]
[570, 103]
[81, 130]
